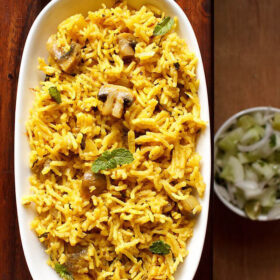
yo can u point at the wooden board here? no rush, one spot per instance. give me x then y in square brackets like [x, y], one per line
[246, 75]
[16, 20]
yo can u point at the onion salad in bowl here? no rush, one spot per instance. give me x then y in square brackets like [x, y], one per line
[247, 163]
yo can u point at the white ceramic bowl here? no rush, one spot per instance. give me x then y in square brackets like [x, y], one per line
[220, 131]
[46, 24]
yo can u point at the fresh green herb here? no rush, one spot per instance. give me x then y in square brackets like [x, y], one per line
[110, 160]
[272, 141]
[164, 26]
[45, 234]
[177, 65]
[62, 271]
[55, 94]
[160, 248]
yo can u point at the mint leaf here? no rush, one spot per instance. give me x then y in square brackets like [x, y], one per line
[110, 160]
[55, 94]
[122, 156]
[160, 248]
[164, 26]
[272, 141]
[61, 270]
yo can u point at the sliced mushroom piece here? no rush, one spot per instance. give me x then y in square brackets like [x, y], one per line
[189, 206]
[115, 98]
[127, 43]
[75, 259]
[97, 180]
[67, 61]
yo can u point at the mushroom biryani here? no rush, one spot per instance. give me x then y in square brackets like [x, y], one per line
[115, 177]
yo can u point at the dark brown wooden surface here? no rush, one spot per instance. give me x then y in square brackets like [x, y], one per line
[16, 19]
[247, 74]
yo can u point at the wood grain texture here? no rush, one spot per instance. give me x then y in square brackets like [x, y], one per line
[16, 20]
[246, 75]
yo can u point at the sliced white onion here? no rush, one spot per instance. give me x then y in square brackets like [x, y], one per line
[259, 144]
[251, 189]
[231, 191]
[263, 118]
[268, 117]
[224, 193]
[277, 146]
[237, 169]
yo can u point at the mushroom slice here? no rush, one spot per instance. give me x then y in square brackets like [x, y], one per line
[97, 180]
[75, 259]
[115, 98]
[189, 206]
[67, 61]
[127, 43]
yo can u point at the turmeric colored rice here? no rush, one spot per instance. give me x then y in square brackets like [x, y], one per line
[109, 234]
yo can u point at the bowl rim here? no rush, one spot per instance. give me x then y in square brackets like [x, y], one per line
[223, 128]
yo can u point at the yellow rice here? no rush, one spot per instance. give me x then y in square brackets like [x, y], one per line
[118, 226]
